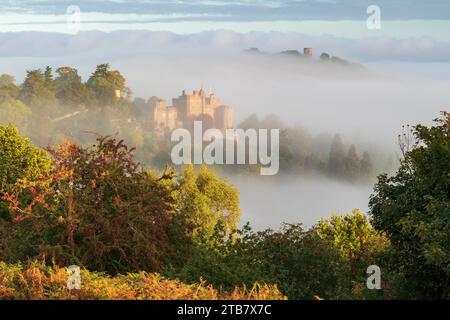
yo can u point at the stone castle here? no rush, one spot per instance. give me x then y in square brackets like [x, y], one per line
[188, 108]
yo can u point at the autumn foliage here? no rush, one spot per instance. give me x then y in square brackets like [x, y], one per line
[35, 281]
[94, 207]
[174, 235]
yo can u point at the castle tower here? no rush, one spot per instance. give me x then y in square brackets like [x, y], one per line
[188, 108]
[223, 117]
[308, 52]
[117, 95]
[162, 117]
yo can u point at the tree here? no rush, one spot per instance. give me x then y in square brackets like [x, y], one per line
[299, 262]
[14, 112]
[336, 162]
[33, 86]
[352, 164]
[204, 200]
[413, 208]
[224, 259]
[324, 57]
[95, 208]
[36, 93]
[360, 245]
[48, 77]
[251, 122]
[354, 236]
[19, 158]
[366, 166]
[70, 90]
[295, 148]
[107, 85]
[8, 88]
[340, 61]
[292, 53]
[271, 121]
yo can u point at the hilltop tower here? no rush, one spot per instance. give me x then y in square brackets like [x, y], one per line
[308, 52]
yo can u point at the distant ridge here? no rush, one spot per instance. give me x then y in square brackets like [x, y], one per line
[307, 56]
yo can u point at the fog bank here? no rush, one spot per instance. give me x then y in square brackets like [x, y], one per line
[268, 204]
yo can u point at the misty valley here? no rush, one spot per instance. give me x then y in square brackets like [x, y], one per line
[53, 109]
[144, 165]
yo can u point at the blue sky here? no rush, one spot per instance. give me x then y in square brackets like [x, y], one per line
[346, 18]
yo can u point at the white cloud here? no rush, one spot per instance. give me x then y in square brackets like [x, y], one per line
[372, 49]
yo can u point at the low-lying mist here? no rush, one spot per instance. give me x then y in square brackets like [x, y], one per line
[368, 106]
[270, 202]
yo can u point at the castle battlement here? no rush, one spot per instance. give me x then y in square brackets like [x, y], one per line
[188, 108]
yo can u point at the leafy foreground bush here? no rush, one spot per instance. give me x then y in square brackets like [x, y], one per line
[329, 260]
[413, 208]
[97, 208]
[37, 281]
